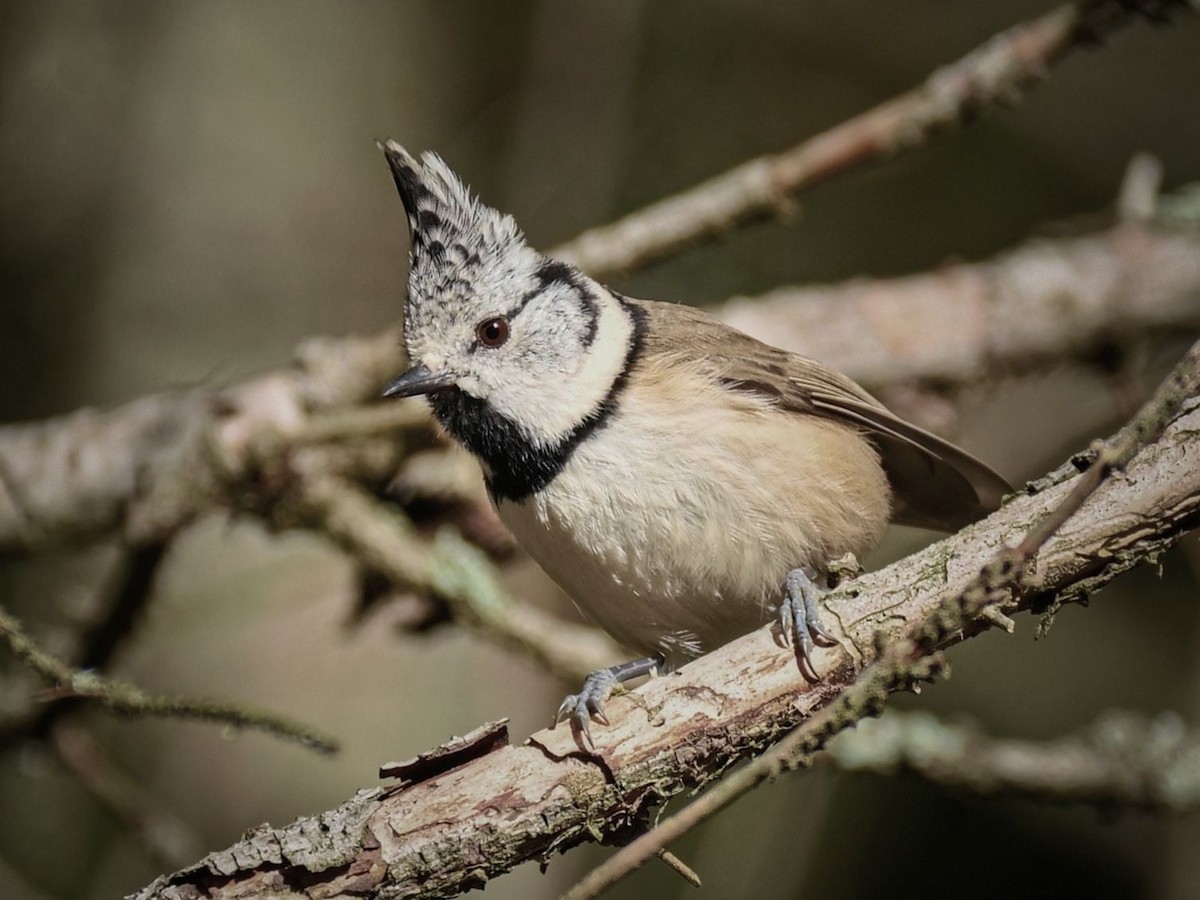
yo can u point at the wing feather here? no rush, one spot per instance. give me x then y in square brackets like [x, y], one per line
[936, 484]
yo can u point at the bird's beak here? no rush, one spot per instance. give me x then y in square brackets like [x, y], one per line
[419, 380]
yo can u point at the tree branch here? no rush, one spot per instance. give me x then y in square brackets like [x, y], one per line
[146, 469]
[455, 830]
[914, 656]
[451, 570]
[1124, 760]
[994, 74]
[1044, 302]
[130, 700]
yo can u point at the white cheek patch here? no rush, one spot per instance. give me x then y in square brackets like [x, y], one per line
[551, 405]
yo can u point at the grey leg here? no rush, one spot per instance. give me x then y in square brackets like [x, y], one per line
[588, 704]
[800, 620]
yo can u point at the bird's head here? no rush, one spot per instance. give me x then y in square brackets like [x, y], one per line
[525, 337]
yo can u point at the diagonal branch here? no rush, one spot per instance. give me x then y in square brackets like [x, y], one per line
[994, 74]
[1124, 760]
[131, 700]
[913, 656]
[438, 837]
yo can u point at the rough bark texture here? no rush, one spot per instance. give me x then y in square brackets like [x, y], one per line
[456, 830]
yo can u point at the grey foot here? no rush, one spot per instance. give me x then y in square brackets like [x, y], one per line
[580, 709]
[800, 620]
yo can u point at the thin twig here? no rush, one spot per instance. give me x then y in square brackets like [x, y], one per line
[109, 621]
[994, 74]
[131, 700]
[908, 661]
[681, 868]
[129, 590]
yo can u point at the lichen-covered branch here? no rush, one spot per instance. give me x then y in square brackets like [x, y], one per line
[1124, 760]
[994, 74]
[131, 700]
[453, 831]
[450, 570]
[107, 621]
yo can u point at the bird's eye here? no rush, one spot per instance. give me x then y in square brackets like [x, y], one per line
[493, 332]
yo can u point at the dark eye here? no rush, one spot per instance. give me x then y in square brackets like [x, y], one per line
[493, 332]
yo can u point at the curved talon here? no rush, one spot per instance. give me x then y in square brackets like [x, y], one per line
[568, 704]
[800, 621]
[819, 632]
[804, 660]
[588, 705]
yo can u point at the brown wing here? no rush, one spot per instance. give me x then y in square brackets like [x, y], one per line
[936, 485]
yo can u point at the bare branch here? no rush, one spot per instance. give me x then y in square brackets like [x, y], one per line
[1046, 301]
[130, 700]
[994, 74]
[1124, 760]
[438, 837]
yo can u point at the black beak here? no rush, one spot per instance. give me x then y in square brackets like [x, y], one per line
[419, 380]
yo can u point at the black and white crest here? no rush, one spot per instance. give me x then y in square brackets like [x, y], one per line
[458, 243]
[522, 403]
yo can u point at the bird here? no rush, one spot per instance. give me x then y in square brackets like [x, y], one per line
[681, 481]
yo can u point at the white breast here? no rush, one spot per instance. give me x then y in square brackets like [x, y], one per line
[675, 525]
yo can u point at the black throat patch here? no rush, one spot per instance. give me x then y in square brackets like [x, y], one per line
[519, 467]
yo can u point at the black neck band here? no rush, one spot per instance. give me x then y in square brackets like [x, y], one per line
[519, 467]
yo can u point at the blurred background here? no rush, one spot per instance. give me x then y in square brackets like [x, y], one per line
[188, 190]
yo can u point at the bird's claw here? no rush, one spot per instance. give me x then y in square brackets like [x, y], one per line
[588, 705]
[800, 621]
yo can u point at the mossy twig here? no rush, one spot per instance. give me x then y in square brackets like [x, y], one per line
[131, 700]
